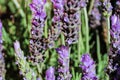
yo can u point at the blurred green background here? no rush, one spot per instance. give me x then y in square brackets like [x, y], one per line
[15, 16]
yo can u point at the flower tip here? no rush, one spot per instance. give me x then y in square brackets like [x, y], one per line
[16, 45]
[62, 49]
[114, 19]
[0, 24]
[50, 74]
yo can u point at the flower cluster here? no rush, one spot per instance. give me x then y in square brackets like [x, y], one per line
[117, 7]
[2, 62]
[95, 16]
[0, 34]
[71, 21]
[113, 68]
[107, 7]
[114, 55]
[66, 19]
[50, 74]
[25, 70]
[55, 31]
[37, 43]
[88, 68]
[63, 60]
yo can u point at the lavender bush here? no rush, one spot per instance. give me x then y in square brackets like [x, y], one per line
[60, 39]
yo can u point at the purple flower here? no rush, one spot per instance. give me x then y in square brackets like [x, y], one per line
[107, 7]
[23, 64]
[18, 50]
[114, 19]
[116, 8]
[39, 16]
[58, 5]
[113, 68]
[2, 62]
[88, 67]
[95, 16]
[115, 31]
[50, 74]
[82, 3]
[38, 43]
[37, 7]
[63, 60]
[117, 76]
[0, 32]
[54, 32]
[38, 20]
[66, 20]
[71, 21]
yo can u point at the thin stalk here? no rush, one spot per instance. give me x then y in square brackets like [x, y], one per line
[19, 8]
[107, 77]
[98, 51]
[82, 32]
[69, 56]
[91, 6]
[79, 46]
[46, 30]
[63, 39]
[47, 51]
[39, 71]
[87, 29]
[79, 43]
[108, 28]
[98, 45]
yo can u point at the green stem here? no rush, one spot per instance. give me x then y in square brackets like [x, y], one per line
[63, 39]
[39, 71]
[87, 29]
[46, 36]
[82, 32]
[108, 28]
[98, 45]
[19, 8]
[79, 46]
[79, 42]
[91, 6]
[98, 51]
[46, 32]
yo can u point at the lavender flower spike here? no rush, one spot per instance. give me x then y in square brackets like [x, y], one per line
[113, 68]
[88, 68]
[63, 60]
[0, 33]
[2, 62]
[22, 63]
[71, 21]
[95, 16]
[55, 31]
[37, 42]
[107, 7]
[50, 74]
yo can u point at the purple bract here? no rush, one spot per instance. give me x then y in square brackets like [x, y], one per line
[88, 67]
[50, 74]
[63, 60]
